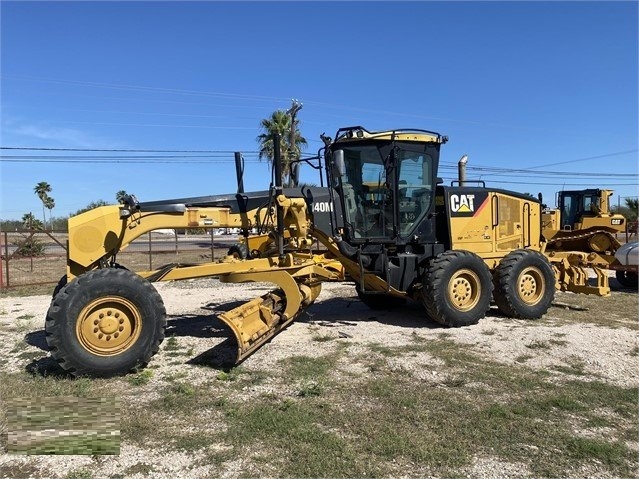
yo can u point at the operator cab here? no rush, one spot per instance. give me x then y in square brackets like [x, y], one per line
[387, 181]
[575, 204]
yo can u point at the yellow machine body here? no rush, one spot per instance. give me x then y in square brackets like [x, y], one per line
[451, 247]
[493, 223]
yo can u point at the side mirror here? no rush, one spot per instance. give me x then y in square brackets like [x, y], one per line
[438, 181]
[338, 162]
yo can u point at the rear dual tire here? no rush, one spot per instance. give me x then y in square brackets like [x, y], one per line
[524, 284]
[457, 287]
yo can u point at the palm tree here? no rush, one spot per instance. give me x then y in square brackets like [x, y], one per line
[120, 195]
[49, 203]
[280, 122]
[43, 189]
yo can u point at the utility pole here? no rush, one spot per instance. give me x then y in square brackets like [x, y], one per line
[294, 167]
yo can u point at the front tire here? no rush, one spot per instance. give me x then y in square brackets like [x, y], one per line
[524, 284]
[456, 288]
[104, 323]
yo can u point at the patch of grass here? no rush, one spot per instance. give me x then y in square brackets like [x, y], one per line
[230, 375]
[141, 378]
[535, 411]
[310, 389]
[193, 441]
[19, 345]
[634, 351]
[26, 316]
[597, 422]
[22, 471]
[598, 311]
[575, 367]
[139, 468]
[175, 376]
[538, 344]
[81, 473]
[612, 454]
[179, 398]
[306, 367]
[301, 430]
[455, 382]
[383, 350]
[31, 290]
[140, 424]
[25, 385]
[489, 332]
[323, 338]
[171, 344]
[522, 358]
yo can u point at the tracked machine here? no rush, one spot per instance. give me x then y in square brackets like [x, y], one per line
[581, 236]
[384, 222]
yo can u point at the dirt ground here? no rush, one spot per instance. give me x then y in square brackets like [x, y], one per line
[599, 334]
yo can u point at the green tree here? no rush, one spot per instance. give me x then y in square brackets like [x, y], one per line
[30, 222]
[633, 205]
[120, 195]
[280, 122]
[90, 206]
[43, 189]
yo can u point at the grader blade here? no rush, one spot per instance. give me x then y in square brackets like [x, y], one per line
[257, 321]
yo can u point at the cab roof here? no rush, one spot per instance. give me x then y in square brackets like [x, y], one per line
[401, 134]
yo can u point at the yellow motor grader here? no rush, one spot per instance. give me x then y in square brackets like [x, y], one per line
[384, 222]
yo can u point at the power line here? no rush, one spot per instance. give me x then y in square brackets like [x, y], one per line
[487, 171]
[223, 156]
[33, 148]
[626, 152]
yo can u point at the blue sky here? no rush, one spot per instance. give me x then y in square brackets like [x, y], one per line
[549, 87]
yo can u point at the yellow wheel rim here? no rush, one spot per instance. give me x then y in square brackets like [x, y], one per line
[108, 326]
[531, 285]
[464, 290]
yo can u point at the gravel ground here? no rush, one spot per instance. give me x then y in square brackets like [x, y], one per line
[607, 352]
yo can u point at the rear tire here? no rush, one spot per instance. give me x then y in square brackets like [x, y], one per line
[524, 284]
[456, 288]
[380, 301]
[629, 279]
[104, 323]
